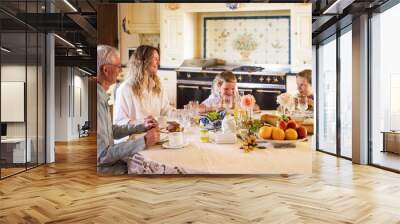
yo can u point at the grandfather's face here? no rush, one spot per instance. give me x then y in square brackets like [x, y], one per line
[112, 70]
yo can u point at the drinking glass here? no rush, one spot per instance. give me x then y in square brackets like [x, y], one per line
[291, 108]
[302, 103]
[184, 116]
[194, 112]
[173, 115]
[227, 102]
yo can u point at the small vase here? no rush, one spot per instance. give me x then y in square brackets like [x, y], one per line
[249, 112]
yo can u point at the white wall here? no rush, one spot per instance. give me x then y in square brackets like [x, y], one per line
[17, 73]
[71, 102]
[33, 127]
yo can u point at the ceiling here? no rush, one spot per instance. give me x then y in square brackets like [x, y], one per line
[22, 23]
[331, 15]
[76, 20]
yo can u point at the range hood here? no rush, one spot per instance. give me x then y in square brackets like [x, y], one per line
[197, 64]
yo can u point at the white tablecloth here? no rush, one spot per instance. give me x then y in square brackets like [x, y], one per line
[210, 158]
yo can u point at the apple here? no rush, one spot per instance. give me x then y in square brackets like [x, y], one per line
[282, 125]
[301, 132]
[292, 124]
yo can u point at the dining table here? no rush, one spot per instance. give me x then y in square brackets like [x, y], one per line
[199, 157]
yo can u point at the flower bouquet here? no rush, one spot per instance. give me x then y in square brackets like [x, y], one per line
[247, 104]
[285, 100]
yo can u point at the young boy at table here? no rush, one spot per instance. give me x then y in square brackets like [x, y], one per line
[224, 93]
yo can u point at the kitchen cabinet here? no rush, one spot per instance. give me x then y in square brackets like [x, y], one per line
[302, 50]
[168, 81]
[143, 18]
[171, 41]
[178, 37]
[107, 30]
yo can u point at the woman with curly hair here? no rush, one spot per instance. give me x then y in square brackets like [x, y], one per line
[141, 94]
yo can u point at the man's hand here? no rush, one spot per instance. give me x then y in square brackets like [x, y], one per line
[150, 122]
[310, 102]
[152, 137]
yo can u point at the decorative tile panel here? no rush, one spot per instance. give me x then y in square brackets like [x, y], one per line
[247, 39]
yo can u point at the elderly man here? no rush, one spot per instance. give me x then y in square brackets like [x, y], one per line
[112, 158]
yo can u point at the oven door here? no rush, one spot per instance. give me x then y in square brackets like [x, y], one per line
[205, 93]
[186, 93]
[266, 98]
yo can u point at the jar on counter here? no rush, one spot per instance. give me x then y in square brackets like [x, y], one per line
[204, 137]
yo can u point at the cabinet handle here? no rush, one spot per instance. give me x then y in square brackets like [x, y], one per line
[166, 79]
[268, 91]
[188, 87]
[173, 59]
[208, 88]
[246, 90]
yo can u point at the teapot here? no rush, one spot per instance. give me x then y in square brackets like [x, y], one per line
[228, 124]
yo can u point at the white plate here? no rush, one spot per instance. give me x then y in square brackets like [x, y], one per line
[163, 137]
[280, 141]
[167, 146]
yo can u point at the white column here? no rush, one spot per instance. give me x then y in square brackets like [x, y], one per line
[360, 90]
[50, 99]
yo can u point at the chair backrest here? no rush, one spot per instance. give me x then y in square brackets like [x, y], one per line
[86, 125]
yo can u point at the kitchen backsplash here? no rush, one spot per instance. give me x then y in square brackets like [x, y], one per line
[150, 39]
[252, 39]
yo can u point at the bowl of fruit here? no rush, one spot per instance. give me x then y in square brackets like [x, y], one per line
[212, 120]
[286, 133]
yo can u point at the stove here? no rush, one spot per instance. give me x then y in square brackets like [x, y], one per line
[194, 80]
[247, 68]
[197, 64]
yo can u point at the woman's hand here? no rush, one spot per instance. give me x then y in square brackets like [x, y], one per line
[150, 122]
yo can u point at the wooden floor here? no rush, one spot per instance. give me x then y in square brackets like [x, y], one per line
[69, 191]
[387, 159]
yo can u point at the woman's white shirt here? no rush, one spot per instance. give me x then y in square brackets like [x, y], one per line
[129, 108]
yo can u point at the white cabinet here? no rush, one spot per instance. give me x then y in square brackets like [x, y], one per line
[171, 43]
[302, 40]
[168, 82]
[178, 37]
[142, 17]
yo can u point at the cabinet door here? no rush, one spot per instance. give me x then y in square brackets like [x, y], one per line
[168, 81]
[145, 17]
[303, 39]
[172, 41]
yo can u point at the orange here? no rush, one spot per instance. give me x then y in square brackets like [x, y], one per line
[290, 134]
[278, 134]
[265, 132]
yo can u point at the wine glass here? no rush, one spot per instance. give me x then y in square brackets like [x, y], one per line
[302, 104]
[227, 102]
[172, 115]
[291, 107]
